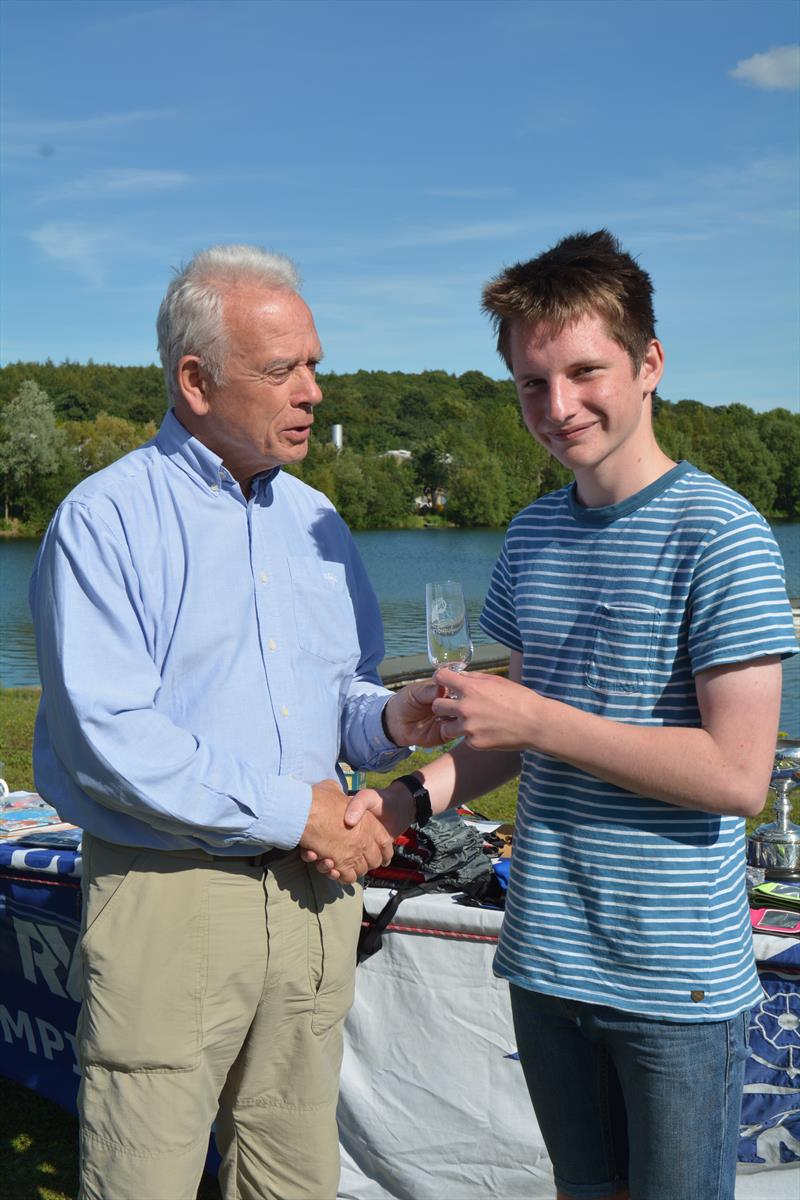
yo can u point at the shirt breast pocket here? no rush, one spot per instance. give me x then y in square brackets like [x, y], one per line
[323, 610]
[622, 654]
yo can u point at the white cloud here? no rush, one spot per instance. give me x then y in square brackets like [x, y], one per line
[80, 247]
[115, 181]
[25, 138]
[106, 122]
[777, 69]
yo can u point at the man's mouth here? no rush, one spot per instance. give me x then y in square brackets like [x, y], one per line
[299, 433]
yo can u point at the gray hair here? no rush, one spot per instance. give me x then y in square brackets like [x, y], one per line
[190, 319]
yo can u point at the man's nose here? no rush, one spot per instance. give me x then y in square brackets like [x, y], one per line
[560, 400]
[309, 391]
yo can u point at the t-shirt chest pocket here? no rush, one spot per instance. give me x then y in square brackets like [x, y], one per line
[323, 610]
[621, 655]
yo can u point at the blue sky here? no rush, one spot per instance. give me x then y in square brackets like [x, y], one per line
[402, 153]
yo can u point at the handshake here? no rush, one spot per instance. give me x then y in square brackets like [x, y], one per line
[346, 836]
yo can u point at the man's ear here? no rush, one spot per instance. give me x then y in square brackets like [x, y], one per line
[652, 368]
[193, 384]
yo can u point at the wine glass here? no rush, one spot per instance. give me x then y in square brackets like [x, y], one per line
[449, 643]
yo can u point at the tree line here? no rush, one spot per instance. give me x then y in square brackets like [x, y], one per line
[466, 441]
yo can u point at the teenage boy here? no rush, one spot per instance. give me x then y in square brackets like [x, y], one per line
[645, 610]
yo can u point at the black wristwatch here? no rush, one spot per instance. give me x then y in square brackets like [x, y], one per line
[422, 800]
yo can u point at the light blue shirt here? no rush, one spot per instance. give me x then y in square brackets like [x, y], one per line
[204, 659]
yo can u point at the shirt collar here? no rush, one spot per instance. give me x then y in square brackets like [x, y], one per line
[200, 463]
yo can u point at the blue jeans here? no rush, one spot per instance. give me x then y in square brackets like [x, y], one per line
[623, 1100]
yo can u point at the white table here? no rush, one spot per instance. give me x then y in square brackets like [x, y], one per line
[432, 1107]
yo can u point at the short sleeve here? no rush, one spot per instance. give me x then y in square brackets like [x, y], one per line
[738, 607]
[499, 617]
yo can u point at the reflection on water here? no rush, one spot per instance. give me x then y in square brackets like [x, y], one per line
[17, 649]
[399, 564]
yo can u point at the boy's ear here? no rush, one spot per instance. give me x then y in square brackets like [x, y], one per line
[652, 368]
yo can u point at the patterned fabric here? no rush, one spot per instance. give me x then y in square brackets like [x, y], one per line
[43, 860]
[614, 898]
[770, 1129]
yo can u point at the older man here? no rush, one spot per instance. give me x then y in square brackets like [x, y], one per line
[208, 644]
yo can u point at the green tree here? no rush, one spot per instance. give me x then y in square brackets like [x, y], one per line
[432, 468]
[779, 430]
[30, 443]
[525, 461]
[100, 442]
[477, 492]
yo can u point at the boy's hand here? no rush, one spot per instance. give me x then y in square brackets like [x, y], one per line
[489, 712]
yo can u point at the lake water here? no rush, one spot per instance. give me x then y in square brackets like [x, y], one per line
[399, 563]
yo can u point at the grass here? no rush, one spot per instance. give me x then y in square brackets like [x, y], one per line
[39, 1149]
[38, 1146]
[38, 1140]
[500, 805]
[17, 714]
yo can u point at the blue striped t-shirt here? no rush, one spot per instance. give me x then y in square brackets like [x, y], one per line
[614, 898]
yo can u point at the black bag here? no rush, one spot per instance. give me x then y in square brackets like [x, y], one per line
[446, 855]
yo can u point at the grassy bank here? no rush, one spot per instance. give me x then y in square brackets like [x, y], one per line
[17, 714]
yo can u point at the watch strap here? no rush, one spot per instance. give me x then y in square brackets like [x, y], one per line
[423, 810]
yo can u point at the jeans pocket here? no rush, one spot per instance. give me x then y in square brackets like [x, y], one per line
[143, 963]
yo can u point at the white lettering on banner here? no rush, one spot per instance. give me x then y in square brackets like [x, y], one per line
[42, 948]
[51, 1041]
[17, 1029]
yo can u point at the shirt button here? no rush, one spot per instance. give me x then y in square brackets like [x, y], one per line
[264, 577]
[213, 487]
[284, 711]
[273, 645]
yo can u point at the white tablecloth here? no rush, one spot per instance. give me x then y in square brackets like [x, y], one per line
[432, 1107]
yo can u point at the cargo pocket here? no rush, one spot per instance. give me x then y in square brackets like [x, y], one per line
[337, 923]
[143, 961]
[621, 658]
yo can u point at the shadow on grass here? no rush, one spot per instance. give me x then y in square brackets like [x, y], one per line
[39, 1149]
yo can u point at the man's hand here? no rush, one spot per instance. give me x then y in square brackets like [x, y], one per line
[489, 712]
[409, 717]
[392, 808]
[345, 851]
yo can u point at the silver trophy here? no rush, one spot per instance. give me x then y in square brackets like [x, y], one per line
[775, 847]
